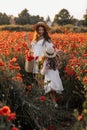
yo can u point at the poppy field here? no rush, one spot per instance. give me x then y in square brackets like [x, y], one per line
[18, 88]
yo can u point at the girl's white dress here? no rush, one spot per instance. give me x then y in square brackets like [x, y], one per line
[38, 50]
[52, 79]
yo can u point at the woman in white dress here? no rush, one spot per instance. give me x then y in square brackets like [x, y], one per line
[40, 41]
[52, 81]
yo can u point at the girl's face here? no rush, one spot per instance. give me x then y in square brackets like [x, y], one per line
[40, 31]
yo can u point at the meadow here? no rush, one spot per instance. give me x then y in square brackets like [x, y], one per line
[18, 88]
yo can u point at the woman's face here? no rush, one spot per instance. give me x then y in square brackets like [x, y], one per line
[40, 30]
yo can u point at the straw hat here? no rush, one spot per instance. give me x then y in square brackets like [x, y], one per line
[41, 24]
[49, 52]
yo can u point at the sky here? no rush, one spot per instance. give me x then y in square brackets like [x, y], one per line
[76, 8]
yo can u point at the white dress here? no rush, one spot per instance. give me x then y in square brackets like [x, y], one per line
[52, 80]
[38, 50]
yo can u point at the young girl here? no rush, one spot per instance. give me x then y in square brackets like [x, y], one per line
[52, 81]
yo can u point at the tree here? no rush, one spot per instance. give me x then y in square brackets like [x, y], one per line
[34, 19]
[4, 19]
[85, 18]
[63, 17]
[48, 21]
[48, 18]
[23, 17]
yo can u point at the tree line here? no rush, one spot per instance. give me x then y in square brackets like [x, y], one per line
[63, 17]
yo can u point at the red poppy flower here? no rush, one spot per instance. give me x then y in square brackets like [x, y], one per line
[69, 70]
[11, 116]
[29, 58]
[80, 117]
[1, 63]
[14, 59]
[85, 71]
[85, 79]
[29, 87]
[42, 98]
[51, 127]
[54, 47]
[57, 99]
[6, 77]
[36, 58]
[5, 111]
[14, 128]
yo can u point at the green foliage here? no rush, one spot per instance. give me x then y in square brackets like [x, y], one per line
[85, 18]
[4, 19]
[25, 18]
[68, 28]
[34, 19]
[63, 17]
[26, 27]
[54, 29]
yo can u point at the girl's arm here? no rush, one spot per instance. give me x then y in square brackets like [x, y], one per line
[44, 68]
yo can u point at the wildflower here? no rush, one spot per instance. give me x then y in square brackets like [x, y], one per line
[5, 111]
[80, 117]
[29, 87]
[54, 47]
[11, 116]
[17, 67]
[29, 58]
[6, 77]
[1, 63]
[84, 55]
[19, 75]
[17, 78]
[85, 79]
[69, 70]
[14, 128]
[42, 98]
[51, 127]
[36, 58]
[14, 59]
[0, 112]
[57, 99]
[85, 71]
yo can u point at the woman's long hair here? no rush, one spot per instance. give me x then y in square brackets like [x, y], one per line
[46, 36]
[52, 63]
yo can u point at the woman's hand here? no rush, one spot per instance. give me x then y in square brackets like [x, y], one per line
[27, 40]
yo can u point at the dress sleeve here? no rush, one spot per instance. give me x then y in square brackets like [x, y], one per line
[49, 44]
[44, 68]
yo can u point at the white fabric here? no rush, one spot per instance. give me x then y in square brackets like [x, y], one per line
[38, 50]
[53, 77]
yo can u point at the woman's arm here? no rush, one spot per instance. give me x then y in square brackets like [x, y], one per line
[27, 40]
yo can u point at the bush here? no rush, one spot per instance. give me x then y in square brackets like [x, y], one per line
[54, 29]
[16, 27]
[68, 28]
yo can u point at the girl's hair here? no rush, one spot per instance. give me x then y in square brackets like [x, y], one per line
[52, 63]
[46, 36]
